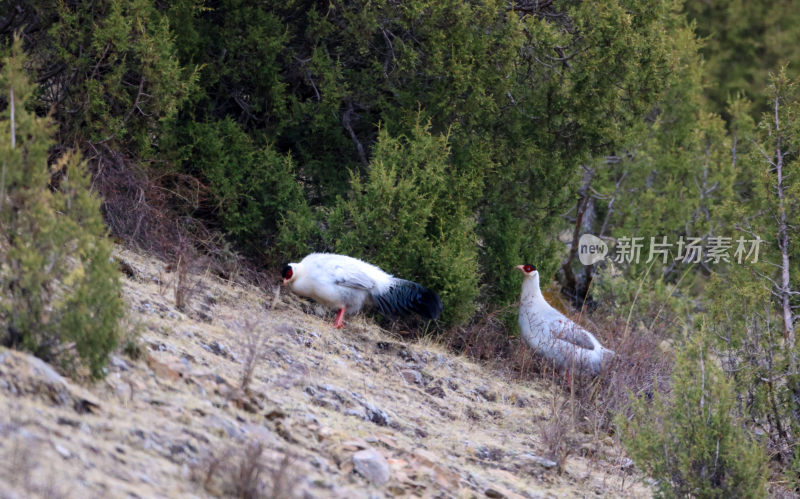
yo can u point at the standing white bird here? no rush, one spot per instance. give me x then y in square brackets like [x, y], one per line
[554, 336]
[344, 283]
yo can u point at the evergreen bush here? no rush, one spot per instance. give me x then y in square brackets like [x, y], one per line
[690, 440]
[408, 216]
[59, 286]
[254, 188]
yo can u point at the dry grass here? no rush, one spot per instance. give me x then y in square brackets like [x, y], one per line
[23, 470]
[558, 433]
[242, 471]
[585, 405]
[253, 340]
[246, 477]
[448, 426]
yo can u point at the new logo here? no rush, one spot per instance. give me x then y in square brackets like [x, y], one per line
[591, 249]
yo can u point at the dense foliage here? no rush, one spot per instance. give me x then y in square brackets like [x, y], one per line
[410, 200]
[258, 118]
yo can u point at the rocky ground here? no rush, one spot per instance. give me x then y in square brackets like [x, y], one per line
[233, 397]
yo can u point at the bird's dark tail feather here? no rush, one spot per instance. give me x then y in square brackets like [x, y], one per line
[407, 296]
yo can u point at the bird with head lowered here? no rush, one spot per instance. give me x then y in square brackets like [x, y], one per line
[348, 284]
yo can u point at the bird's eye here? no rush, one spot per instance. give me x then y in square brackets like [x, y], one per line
[529, 268]
[288, 272]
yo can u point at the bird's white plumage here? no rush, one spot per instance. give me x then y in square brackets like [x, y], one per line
[338, 281]
[554, 336]
[348, 284]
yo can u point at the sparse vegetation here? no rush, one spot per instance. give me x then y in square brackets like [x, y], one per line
[24, 471]
[253, 342]
[690, 439]
[559, 430]
[241, 471]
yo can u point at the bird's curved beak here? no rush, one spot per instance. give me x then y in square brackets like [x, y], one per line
[521, 268]
[285, 282]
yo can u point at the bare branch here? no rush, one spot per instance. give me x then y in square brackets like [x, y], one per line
[766, 156]
[346, 122]
[136, 101]
[390, 55]
[13, 124]
[610, 207]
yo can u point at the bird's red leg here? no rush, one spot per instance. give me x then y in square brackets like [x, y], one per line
[338, 322]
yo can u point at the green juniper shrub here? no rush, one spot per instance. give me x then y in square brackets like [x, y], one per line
[253, 187]
[407, 216]
[690, 440]
[58, 282]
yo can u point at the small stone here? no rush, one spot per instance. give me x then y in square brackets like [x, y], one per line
[409, 357]
[217, 348]
[275, 414]
[377, 415]
[545, 463]
[452, 385]
[65, 453]
[119, 363]
[68, 422]
[371, 464]
[436, 391]
[168, 370]
[309, 418]
[487, 394]
[357, 412]
[411, 376]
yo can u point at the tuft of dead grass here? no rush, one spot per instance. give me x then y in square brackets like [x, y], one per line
[242, 472]
[253, 342]
[558, 433]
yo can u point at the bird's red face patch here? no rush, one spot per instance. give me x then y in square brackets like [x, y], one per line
[528, 268]
[287, 274]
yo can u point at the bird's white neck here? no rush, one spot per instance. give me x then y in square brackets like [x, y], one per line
[530, 289]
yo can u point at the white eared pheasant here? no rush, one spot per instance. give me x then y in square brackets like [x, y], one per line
[344, 283]
[555, 337]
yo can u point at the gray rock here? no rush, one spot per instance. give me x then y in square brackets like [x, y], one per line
[357, 412]
[376, 415]
[412, 376]
[543, 462]
[119, 363]
[219, 423]
[371, 464]
[217, 348]
[42, 369]
[63, 451]
[487, 394]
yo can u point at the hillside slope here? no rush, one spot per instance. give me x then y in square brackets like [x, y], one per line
[328, 413]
